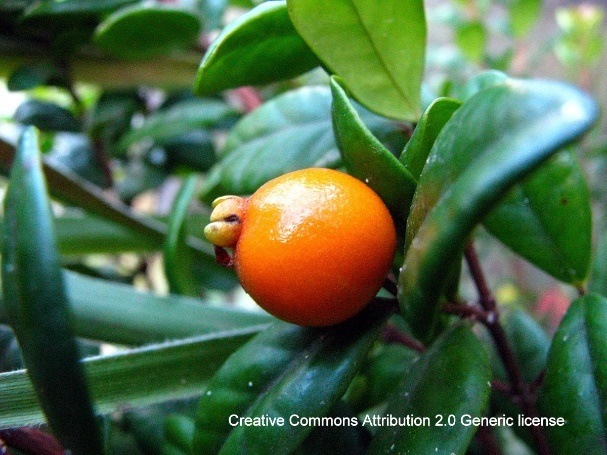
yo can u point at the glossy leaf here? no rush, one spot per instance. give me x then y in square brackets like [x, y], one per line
[378, 48]
[482, 80]
[575, 385]
[547, 219]
[46, 116]
[118, 313]
[178, 259]
[426, 131]
[178, 119]
[72, 189]
[137, 377]
[258, 47]
[127, 33]
[285, 370]
[452, 378]
[499, 148]
[367, 159]
[292, 131]
[36, 304]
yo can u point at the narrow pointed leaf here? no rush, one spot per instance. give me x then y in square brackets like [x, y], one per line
[259, 47]
[367, 159]
[285, 370]
[466, 175]
[575, 385]
[450, 380]
[136, 377]
[178, 260]
[118, 313]
[37, 307]
[426, 131]
[378, 48]
[69, 187]
[547, 219]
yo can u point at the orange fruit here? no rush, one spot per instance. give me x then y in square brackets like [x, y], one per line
[311, 247]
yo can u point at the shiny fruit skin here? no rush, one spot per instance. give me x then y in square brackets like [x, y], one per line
[315, 246]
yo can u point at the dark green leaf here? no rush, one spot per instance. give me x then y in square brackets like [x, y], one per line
[547, 219]
[426, 131]
[292, 131]
[367, 159]
[178, 119]
[493, 141]
[118, 313]
[127, 32]
[178, 259]
[71, 10]
[36, 74]
[378, 48]
[70, 188]
[598, 279]
[137, 377]
[37, 307]
[450, 381]
[179, 432]
[76, 153]
[530, 345]
[46, 116]
[284, 371]
[575, 385]
[195, 150]
[259, 47]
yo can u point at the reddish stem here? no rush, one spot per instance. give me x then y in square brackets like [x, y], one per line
[392, 334]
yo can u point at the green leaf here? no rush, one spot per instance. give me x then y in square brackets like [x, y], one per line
[471, 38]
[284, 371]
[46, 116]
[598, 278]
[530, 345]
[118, 313]
[179, 432]
[497, 138]
[137, 377]
[258, 47]
[37, 307]
[36, 74]
[71, 10]
[194, 150]
[450, 381]
[523, 15]
[367, 159]
[178, 260]
[127, 33]
[547, 219]
[292, 131]
[480, 81]
[74, 190]
[575, 385]
[426, 131]
[378, 48]
[178, 119]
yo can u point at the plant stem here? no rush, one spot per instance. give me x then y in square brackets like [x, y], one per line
[519, 389]
[392, 334]
[487, 438]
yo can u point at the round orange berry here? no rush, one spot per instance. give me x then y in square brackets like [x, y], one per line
[312, 247]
